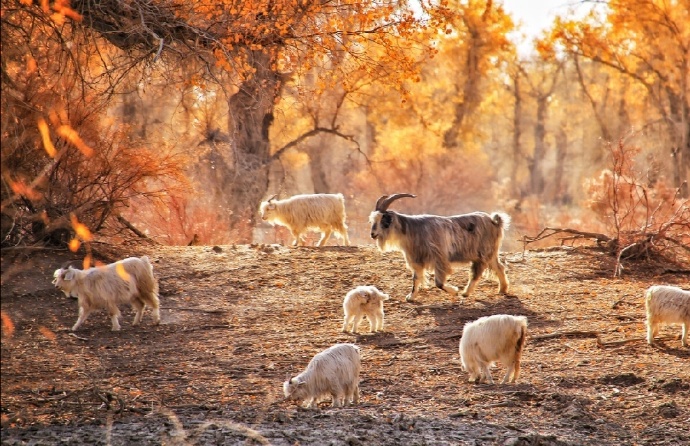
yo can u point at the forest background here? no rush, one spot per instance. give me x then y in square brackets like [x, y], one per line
[173, 119]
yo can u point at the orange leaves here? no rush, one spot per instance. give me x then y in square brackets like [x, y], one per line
[82, 234]
[74, 245]
[61, 7]
[47, 333]
[31, 65]
[7, 325]
[65, 131]
[73, 137]
[20, 188]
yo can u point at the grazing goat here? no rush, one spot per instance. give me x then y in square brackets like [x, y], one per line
[334, 372]
[299, 213]
[364, 301]
[105, 287]
[435, 242]
[670, 305]
[500, 337]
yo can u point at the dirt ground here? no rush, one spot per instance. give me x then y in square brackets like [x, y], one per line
[236, 320]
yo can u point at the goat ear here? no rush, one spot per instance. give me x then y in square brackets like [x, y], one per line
[69, 274]
[386, 220]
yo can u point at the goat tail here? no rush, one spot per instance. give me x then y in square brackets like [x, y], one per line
[501, 219]
[520, 344]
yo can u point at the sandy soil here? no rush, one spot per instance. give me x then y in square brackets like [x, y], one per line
[238, 319]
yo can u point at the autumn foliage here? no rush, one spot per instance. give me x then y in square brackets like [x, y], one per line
[172, 120]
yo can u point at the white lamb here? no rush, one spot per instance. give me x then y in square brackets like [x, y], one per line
[500, 337]
[670, 305]
[364, 301]
[128, 281]
[333, 372]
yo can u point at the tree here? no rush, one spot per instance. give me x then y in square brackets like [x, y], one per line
[62, 164]
[249, 46]
[648, 41]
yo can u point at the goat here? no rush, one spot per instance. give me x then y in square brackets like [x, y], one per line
[500, 337]
[105, 287]
[670, 305]
[300, 213]
[364, 301]
[334, 372]
[432, 241]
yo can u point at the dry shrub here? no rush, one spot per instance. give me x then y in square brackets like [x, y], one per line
[643, 216]
[631, 213]
[445, 184]
[179, 219]
[62, 160]
[94, 188]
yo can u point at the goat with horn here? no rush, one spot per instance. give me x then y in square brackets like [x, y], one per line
[436, 242]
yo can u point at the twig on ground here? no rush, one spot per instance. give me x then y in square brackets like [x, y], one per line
[573, 334]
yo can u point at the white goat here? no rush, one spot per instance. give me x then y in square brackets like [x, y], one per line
[334, 372]
[321, 212]
[670, 305]
[500, 337]
[364, 301]
[435, 242]
[105, 287]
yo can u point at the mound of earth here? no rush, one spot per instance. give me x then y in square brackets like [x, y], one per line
[236, 320]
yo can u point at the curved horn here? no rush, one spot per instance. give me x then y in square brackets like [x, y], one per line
[386, 200]
[272, 198]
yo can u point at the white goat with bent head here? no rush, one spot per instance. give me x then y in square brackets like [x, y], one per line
[435, 242]
[333, 372]
[299, 213]
[105, 287]
[670, 305]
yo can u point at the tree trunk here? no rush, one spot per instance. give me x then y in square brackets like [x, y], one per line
[470, 91]
[517, 150]
[535, 165]
[561, 195]
[250, 117]
[317, 168]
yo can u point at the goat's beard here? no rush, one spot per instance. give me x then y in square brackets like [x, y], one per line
[384, 244]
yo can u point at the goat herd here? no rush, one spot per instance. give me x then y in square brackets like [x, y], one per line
[427, 242]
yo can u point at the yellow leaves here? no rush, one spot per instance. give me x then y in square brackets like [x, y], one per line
[62, 11]
[73, 138]
[45, 136]
[65, 131]
[81, 229]
[120, 269]
[74, 245]
[83, 233]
